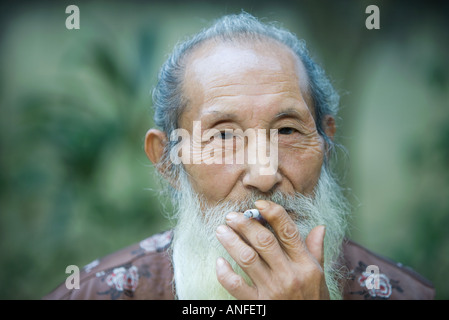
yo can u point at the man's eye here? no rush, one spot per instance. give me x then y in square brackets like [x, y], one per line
[225, 135]
[287, 130]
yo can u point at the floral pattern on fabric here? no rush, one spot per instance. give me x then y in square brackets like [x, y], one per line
[383, 291]
[383, 288]
[122, 280]
[156, 243]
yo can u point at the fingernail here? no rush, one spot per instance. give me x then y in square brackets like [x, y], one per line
[221, 265]
[261, 204]
[220, 262]
[231, 216]
[222, 229]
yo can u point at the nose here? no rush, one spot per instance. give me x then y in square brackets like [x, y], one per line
[263, 182]
[261, 172]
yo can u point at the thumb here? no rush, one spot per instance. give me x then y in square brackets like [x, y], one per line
[315, 243]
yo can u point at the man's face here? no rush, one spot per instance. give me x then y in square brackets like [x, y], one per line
[231, 87]
[261, 86]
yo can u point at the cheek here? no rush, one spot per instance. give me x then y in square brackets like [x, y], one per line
[214, 181]
[301, 168]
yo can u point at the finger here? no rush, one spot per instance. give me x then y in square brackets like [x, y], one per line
[260, 238]
[232, 282]
[245, 256]
[284, 227]
[315, 243]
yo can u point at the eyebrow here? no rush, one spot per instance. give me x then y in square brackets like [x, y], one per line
[289, 113]
[220, 117]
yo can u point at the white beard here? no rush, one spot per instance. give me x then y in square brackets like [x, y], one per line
[195, 248]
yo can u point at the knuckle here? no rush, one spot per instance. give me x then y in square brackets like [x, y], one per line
[248, 256]
[266, 238]
[222, 277]
[290, 232]
[235, 283]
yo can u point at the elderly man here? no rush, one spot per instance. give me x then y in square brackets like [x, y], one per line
[230, 91]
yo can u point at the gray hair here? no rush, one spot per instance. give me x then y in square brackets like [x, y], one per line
[168, 99]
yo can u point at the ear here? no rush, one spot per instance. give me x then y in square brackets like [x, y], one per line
[155, 141]
[329, 126]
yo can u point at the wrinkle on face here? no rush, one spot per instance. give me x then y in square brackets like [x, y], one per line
[253, 86]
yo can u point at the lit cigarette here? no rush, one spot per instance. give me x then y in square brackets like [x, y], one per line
[252, 213]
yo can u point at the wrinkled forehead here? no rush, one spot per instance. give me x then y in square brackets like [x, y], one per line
[243, 68]
[232, 58]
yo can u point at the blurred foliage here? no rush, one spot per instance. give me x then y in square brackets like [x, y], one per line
[75, 183]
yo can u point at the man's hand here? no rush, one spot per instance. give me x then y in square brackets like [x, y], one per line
[280, 265]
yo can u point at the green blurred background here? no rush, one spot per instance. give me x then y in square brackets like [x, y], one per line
[75, 105]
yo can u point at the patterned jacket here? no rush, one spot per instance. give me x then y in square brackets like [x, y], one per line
[144, 271]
